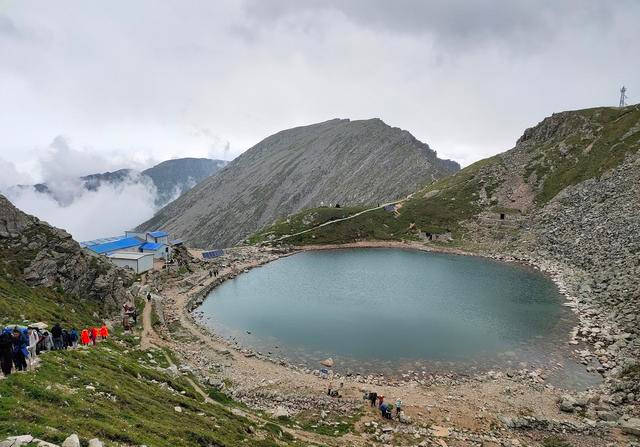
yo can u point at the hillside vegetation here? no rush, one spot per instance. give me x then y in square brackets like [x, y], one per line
[563, 150]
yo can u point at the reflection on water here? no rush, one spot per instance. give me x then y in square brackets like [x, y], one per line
[393, 311]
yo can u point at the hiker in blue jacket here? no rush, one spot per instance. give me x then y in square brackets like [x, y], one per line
[20, 349]
[73, 337]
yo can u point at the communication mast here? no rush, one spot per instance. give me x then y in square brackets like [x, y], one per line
[623, 96]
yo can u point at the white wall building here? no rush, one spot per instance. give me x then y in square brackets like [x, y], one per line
[139, 262]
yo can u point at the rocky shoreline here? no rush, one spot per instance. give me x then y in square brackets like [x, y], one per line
[596, 409]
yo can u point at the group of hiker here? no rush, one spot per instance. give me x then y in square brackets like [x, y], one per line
[386, 409]
[19, 344]
[214, 273]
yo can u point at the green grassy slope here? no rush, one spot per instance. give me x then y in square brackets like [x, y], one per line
[134, 397]
[562, 150]
[133, 402]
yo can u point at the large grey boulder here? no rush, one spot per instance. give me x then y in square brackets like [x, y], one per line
[71, 441]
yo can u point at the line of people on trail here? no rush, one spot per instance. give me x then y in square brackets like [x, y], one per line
[214, 272]
[19, 344]
[386, 409]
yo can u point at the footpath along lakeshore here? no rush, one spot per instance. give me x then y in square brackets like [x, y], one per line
[468, 407]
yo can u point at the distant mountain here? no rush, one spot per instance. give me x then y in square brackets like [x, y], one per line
[175, 177]
[171, 178]
[337, 161]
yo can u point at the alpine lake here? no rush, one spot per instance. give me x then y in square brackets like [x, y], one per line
[393, 311]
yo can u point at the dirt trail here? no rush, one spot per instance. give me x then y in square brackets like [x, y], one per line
[331, 222]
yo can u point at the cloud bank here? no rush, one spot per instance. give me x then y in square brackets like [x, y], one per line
[108, 211]
[176, 78]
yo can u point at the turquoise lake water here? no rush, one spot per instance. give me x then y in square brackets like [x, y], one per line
[391, 310]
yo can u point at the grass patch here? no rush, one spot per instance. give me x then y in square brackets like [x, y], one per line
[133, 402]
[555, 441]
[333, 424]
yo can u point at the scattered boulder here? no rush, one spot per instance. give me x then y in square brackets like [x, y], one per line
[16, 441]
[631, 426]
[567, 403]
[95, 442]
[327, 362]
[71, 441]
[280, 412]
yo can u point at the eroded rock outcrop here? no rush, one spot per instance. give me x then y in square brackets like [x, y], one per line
[43, 255]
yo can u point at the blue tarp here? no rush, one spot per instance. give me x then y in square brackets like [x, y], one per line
[120, 244]
[158, 233]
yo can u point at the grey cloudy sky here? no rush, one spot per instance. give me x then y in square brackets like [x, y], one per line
[132, 82]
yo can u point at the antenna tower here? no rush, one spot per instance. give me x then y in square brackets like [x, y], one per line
[623, 96]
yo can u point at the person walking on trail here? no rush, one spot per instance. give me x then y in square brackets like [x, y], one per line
[66, 341]
[33, 342]
[6, 352]
[399, 405]
[20, 343]
[148, 296]
[56, 333]
[73, 337]
[94, 335]
[84, 337]
[104, 332]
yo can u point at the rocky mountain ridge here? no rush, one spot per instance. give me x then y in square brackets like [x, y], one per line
[334, 162]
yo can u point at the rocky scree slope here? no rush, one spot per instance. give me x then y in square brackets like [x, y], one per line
[39, 255]
[337, 161]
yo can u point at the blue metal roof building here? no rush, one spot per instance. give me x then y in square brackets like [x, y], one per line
[158, 233]
[121, 244]
[151, 246]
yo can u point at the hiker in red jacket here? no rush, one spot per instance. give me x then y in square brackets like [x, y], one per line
[84, 337]
[94, 334]
[104, 331]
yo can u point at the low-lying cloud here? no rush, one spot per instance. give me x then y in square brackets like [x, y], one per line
[108, 211]
[86, 214]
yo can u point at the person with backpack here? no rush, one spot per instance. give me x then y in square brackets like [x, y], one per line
[6, 352]
[20, 344]
[73, 337]
[56, 333]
